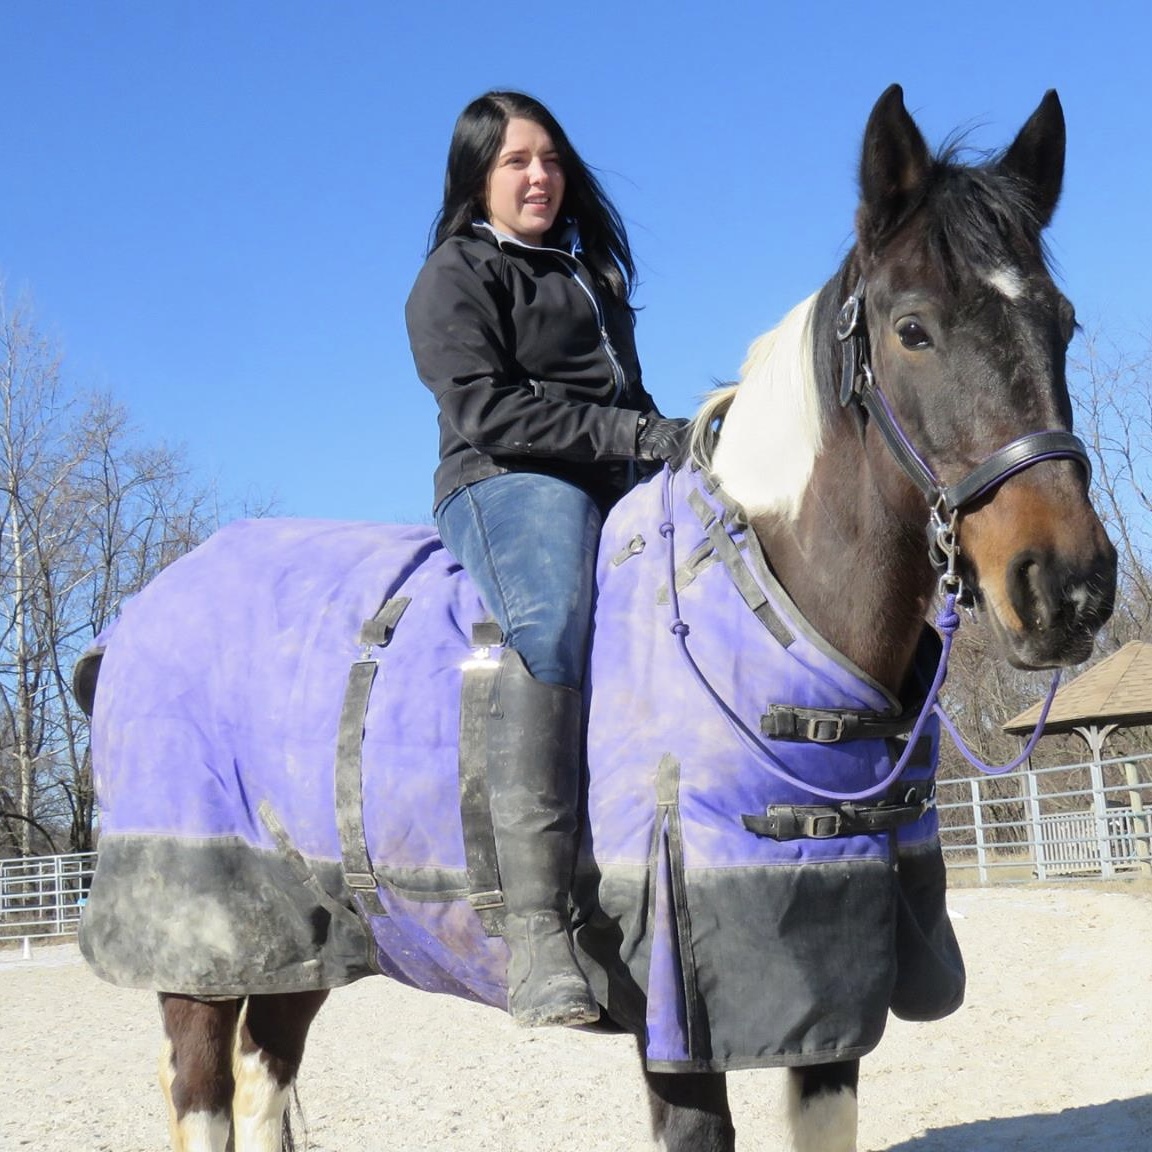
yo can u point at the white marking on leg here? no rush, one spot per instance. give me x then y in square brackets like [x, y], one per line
[823, 1123]
[258, 1104]
[203, 1132]
[194, 1131]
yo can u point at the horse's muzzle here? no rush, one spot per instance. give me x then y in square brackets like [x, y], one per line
[1061, 607]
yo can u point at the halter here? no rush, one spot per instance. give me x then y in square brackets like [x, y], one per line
[858, 385]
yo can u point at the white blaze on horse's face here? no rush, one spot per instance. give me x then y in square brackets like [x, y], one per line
[1007, 281]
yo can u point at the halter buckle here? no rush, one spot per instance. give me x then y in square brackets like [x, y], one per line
[848, 319]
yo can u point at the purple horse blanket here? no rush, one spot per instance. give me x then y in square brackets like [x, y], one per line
[222, 867]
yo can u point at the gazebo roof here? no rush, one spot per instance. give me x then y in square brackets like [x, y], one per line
[1118, 690]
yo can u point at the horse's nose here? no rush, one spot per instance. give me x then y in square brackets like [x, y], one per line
[1052, 596]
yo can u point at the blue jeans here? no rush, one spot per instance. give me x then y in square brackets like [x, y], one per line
[529, 544]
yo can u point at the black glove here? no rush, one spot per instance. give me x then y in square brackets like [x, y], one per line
[658, 438]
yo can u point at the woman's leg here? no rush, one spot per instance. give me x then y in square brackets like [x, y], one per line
[529, 543]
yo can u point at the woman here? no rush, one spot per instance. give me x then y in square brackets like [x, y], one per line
[521, 326]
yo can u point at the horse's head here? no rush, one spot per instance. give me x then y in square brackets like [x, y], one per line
[967, 334]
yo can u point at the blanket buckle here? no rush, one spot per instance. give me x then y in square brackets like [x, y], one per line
[823, 825]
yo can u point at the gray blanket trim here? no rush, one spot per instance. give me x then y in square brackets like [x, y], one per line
[251, 920]
[745, 583]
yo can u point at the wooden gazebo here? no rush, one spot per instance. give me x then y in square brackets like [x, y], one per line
[1116, 693]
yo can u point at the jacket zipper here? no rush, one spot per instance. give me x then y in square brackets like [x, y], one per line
[572, 266]
[605, 341]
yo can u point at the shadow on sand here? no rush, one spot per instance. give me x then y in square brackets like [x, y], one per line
[1118, 1126]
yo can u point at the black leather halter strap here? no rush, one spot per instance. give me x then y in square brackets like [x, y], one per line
[858, 384]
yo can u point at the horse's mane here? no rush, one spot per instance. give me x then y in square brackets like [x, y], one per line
[778, 419]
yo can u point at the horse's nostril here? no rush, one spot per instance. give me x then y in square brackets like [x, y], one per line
[1028, 594]
[1049, 597]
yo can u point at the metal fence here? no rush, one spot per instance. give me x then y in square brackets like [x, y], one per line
[1090, 820]
[43, 895]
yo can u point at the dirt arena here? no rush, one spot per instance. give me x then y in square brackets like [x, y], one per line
[1051, 1053]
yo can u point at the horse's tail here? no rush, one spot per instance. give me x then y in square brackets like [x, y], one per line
[84, 677]
[287, 1137]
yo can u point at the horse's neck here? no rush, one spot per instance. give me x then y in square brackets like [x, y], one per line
[855, 566]
[860, 577]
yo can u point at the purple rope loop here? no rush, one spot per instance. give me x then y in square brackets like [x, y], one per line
[1033, 740]
[948, 619]
[667, 528]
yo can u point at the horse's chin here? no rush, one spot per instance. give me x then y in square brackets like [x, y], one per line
[1033, 650]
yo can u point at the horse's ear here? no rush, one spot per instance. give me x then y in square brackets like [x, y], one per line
[894, 166]
[1036, 156]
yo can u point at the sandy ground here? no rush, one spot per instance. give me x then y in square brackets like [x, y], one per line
[1051, 1053]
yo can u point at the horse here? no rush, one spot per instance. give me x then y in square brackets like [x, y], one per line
[904, 431]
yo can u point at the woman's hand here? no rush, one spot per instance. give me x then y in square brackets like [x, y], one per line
[658, 438]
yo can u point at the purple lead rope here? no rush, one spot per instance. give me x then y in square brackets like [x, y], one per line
[947, 621]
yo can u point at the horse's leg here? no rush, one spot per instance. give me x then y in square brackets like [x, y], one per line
[196, 1070]
[269, 1048]
[822, 1106]
[690, 1111]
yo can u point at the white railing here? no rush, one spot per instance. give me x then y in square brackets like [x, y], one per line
[1075, 820]
[43, 895]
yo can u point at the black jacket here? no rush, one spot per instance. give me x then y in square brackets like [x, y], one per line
[531, 370]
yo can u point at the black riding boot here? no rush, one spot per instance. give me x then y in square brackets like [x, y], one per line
[534, 783]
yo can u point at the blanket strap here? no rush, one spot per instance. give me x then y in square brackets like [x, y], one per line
[484, 892]
[349, 782]
[827, 821]
[349, 788]
[832, 725]
[738, 570]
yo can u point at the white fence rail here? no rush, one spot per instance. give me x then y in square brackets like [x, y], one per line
[43, 895]
[1077, 820]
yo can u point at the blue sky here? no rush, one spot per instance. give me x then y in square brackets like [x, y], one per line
[217, 209]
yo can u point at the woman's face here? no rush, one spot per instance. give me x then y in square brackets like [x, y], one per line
[525, 184]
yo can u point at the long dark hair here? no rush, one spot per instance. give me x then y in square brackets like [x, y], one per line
[476, 142]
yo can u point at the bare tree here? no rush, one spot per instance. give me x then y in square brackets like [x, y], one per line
[87, 517]
[1114, 415]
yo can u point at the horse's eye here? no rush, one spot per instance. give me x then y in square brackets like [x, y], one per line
[912, 335]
